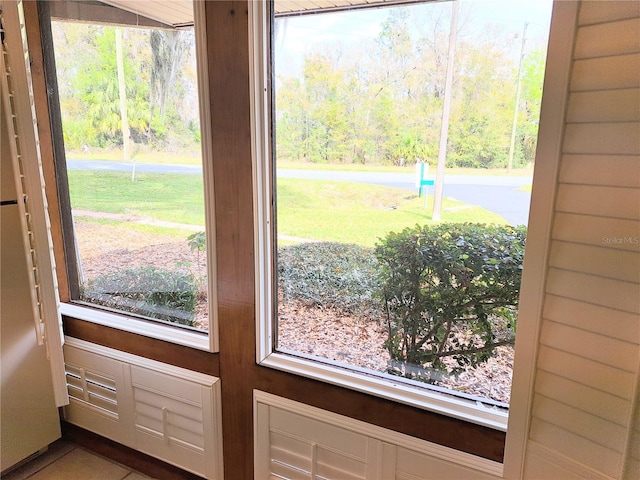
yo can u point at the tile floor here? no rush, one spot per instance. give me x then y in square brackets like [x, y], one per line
[67, 461]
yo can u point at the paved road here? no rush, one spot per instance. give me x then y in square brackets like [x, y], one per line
[109, 166]
[499, 194]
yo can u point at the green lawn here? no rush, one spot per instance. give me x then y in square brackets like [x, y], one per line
[358, 213]
[172, 198]
[144, 157]
[150, 230]
[310, 209]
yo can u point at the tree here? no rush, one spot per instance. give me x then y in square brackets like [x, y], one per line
[292, 126]
[168, 50]
[381, 101]
[398, 104]
[96, 85]
[311, 113]
[532, 80]
[161, 86]
[483, 106]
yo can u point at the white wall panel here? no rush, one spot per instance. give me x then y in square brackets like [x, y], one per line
[543, 463]
[112, 421]
[610, 351]
[412, 464]
[601, 291]
[297, 441]
[164, 411]
[587, 372]
[593, 428]
[610, 202]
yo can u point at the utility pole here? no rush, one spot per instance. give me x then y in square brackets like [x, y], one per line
[514, 125]
[123, 95]
[446, 111]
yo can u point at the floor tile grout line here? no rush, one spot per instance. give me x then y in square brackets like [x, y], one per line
[40, 460]
[56, 452]
[54, 460]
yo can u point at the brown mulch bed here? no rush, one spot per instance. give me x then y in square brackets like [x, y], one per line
[359, 342]
[106, 249]
[306, 329]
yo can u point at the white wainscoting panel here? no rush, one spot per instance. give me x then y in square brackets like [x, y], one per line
[165, 411]
[296, 441]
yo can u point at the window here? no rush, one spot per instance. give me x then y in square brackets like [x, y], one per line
[137, 170]
[354, 293]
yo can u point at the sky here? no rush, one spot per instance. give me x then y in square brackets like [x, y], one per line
[297, 35]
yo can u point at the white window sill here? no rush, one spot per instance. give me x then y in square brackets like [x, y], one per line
[385, 387]
[180, 336]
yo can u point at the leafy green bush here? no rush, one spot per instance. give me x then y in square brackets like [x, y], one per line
[451, 294]
[149, 291]
[330, 275]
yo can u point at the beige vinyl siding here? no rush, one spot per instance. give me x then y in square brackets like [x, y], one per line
[619, 324]
[595, 230]
[607, 39]
[587, 372]
[620, 138]
[590, 400]
[632, 471]
[619, 71]
[602, 261]
[581, 451]
[609, 170]
[619, 106]
[585, 393]
[591, 12]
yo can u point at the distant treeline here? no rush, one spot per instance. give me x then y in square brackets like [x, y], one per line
[381, 102]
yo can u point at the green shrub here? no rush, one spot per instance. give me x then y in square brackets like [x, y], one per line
[450, 294]
[330, 275]
[149, 291]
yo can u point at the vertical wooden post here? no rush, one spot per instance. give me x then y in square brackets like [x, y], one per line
[227, 36]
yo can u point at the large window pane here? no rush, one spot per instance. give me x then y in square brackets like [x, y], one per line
[366, 277]
[129, 105]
